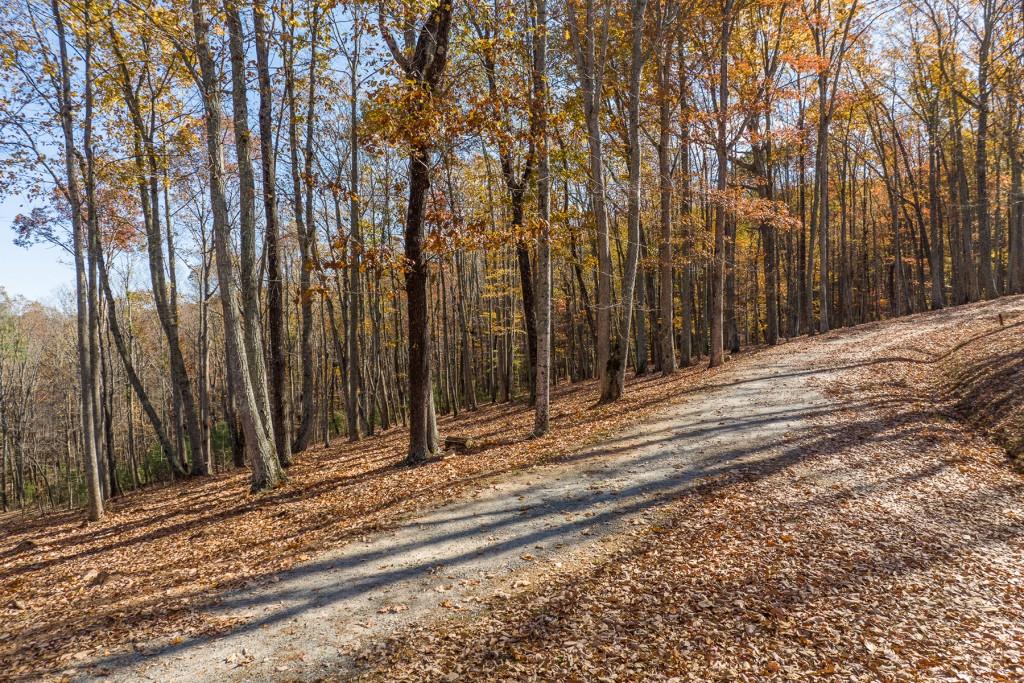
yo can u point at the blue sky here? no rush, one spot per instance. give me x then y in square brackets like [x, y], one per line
[38, 272]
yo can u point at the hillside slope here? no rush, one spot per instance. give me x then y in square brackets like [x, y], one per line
[856, 466]
[888, 546]
[982, 381]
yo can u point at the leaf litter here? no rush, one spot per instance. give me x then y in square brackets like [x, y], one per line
[147, 574]
[891, 548]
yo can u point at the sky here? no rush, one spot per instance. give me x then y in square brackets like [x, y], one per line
[39, 272]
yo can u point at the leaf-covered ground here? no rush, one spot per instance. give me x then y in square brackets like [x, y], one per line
[887, 547]
[71, 592]
[891, 546]
[981, 380]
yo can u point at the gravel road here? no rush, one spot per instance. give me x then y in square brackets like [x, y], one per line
[304, 623]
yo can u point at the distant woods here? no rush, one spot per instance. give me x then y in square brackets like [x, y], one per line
[295, 223]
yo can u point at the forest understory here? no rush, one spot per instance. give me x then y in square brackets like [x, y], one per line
[882, 542]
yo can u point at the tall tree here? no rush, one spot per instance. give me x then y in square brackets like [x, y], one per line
[721, 105]
[86, 361]
[664, 55]
[589, 43]
[423, 64]
[615, 376]
[302, 201]
[831, 29]
[541, 421]
[266, 469]
[271, 241]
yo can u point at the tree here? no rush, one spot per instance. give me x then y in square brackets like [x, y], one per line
[614, 377]
[275, 286]
[423, 64]
[721, 104]
[831, 28]
[266, 469]
[81, 238]
[541, 422]
[589, 42]
[664, 57]
[302, 202]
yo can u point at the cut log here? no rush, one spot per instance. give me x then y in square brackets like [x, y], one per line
[27, 544]
[459, 444]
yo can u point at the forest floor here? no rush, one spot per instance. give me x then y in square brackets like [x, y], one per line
[815, 510]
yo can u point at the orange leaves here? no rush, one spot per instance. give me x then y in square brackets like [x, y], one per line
[755, 210]
[807, 62]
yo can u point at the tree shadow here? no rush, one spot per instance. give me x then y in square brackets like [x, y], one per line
[183, 523]
[459, 534]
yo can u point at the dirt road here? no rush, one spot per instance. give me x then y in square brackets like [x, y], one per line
[758, 416]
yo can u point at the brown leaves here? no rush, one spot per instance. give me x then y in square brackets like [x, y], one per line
[166, 554]
[871, 555]
[392, 609]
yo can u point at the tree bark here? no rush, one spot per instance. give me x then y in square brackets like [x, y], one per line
[666, 282]
[589, 51]
[303, 211]
[86, 370]
[722, 182]
[271, 236]
[615, 375]
[266, 470]
[424, 69]
[541, 420]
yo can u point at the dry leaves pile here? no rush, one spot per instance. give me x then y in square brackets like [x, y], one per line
[982, 382]
[70, 592]
[888, 548]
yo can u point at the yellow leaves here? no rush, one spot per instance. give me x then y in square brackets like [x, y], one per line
[12, 51]
[407, 114]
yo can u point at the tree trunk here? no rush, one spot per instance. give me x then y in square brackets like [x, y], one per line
[86, 370]
[721, 152]
[985, 272]
[666, 282]
[588, 49]
[275, 287]
[303, 213]
[266, 471]
[541, 420]
[249, 284]
[355, 246]
[424, 69]
[615, 375]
